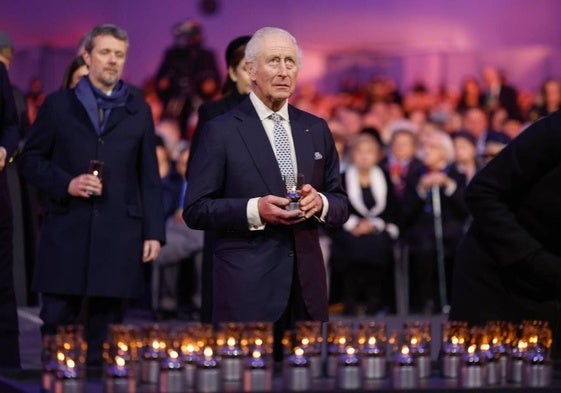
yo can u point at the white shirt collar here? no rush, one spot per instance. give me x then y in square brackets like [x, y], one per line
[263, 111]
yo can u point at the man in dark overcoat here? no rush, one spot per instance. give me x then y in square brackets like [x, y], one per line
[508, 266]
[97, 230]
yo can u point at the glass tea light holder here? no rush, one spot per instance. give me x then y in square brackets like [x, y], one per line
[309, 337]
[71, 351]
[119, 377]
[297, 374]
[257, 375]
[372, 346]
[516, 360]
[473, 369]
[405, 372]
[501, 335]
[294, 184]
[153, 352]
[454, 338]
[192, 339]
[208, 376]
[69, 377]
[232, 356]
[340, 334]
[171, 378]
[537, 370]
[418, 335]
[349, 370]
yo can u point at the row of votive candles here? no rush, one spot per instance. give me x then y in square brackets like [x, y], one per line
[201, 358]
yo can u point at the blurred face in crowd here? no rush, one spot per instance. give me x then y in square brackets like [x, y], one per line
[241, 77]
[163, 161]
[433, 152]
[274, 74]
[365, 153]
[106, 61]
[464, 150]
[181, 164]
[403, 146]
[475, 122]
[552, 93]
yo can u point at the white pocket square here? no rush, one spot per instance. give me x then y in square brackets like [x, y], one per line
[317, 155]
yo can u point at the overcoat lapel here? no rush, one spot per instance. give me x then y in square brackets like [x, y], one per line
[303, 144]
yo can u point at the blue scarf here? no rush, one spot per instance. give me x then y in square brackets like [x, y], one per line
[95, 101]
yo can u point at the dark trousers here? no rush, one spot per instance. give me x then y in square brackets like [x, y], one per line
[295, 311]
[94, 313]
[8, 310]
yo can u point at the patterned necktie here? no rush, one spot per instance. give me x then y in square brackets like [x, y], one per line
[282, 151]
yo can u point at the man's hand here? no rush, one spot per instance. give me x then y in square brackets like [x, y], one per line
[85, 186]
[434, 179]
[310, 203]
[150, 250]
[364, 227]
[272, 209]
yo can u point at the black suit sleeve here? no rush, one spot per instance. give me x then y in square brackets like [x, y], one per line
[9, 133]
[494, 193]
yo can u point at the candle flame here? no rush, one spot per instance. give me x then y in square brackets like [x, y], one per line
[342, 340]
[533, 339]
[522, 345]
[372, 341]
[298, 351]
[231, 341]
[405, 350]
[485, 347]
[471, 349]
[190, 348]
[454, 340]
[207, 352]
[414, 341]
[60, 356]
[122, 346]
[305, 341]
[256, 354]
[70, 363]
[119, 361]
[156, 344]
[173, 354]
[258, 342]
[350, 351]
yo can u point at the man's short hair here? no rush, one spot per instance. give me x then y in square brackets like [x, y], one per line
[253, 47]
[104, 29]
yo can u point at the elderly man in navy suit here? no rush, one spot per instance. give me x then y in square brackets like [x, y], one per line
[267, 259]
[97, 230]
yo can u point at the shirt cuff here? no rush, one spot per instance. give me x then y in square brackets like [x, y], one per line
[325, 209]
[253, 219]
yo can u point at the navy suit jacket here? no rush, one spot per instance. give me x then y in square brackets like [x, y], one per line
[253, 270]
[94, 246]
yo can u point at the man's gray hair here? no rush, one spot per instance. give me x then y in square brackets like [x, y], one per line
[104, 29]
[253, 47]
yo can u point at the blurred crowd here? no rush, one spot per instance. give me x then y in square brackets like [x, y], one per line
[406, 157]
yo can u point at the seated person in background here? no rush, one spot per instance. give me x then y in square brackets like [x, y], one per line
[437, 153]
[362, 250]
[494, 143]
[182, 243]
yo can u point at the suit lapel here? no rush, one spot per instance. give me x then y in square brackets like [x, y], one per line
[255, 138]
[303, 144]
[118, 114]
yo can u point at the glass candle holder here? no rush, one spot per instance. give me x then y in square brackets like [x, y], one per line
[405, 372]
[372, 345]
[232, 355]
[257, 373]
[297, 374]
[153, 352]
[208, 376]
[309, 337]
[472, 369]
[340, 335]
[349, 371]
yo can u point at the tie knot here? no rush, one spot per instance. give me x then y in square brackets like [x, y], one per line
[275, 117]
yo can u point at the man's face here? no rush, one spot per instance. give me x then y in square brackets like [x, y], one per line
[106, 61]
[274, 74]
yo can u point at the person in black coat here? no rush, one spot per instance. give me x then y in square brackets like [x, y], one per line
[97, 230]
[9, 136]
[362, 251]
[418, 219]
[508, 267]
[236, 87]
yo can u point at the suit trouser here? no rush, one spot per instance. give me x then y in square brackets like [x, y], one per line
[295, 311]
[94, 313]
[8, 311]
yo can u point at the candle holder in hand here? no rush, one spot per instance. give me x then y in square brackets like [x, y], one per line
[96, 169]
[294, 184]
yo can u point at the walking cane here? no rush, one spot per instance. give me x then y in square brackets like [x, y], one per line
[438, 234]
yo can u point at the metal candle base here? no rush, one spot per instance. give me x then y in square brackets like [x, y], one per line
[171, 381]
[232, 368]
[68, 386]
[450, 366]
[405, 377]
[424, 365]
[493, 373]
[257, 380]
[298, 379]
[349, 377]
[537, 375]
[208, 380]
[374, 367]
[332, 361]
[149, 371]
[189, 373]
[515, 370]
[472, 376]
[316, 367]
[120, 385]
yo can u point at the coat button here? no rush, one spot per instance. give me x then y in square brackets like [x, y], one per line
[96, 212]
[290, 254]
[100, 141]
